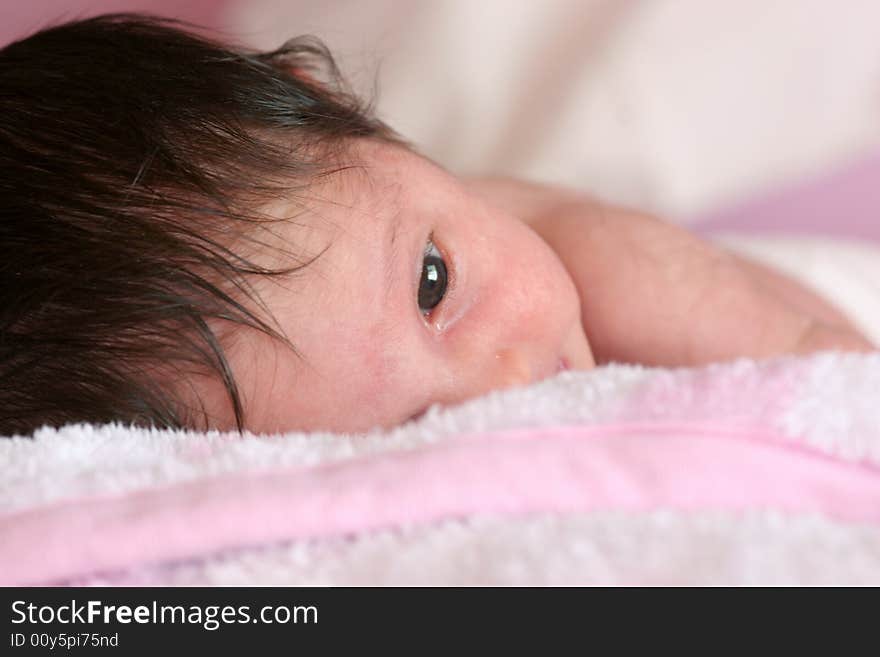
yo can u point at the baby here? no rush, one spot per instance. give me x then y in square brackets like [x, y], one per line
[198, 236]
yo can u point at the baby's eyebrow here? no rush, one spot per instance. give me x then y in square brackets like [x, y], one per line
[393, 228]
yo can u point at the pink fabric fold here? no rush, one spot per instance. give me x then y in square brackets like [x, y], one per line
[563, 469]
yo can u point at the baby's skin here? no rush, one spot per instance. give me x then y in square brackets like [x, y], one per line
[426, 289]
[653, 293]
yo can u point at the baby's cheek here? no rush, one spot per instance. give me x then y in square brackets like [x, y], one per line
[378, 380]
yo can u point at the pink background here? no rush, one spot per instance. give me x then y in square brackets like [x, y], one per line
[844, 202]
[20, 18]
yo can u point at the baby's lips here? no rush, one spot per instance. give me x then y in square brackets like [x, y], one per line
[578, 354]
[552, 369]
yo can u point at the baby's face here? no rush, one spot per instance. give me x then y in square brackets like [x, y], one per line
[421, 295]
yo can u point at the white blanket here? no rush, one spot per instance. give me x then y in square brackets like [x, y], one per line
[846, 273]
[740, 473]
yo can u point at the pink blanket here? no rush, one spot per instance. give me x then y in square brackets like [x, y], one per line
[796, 437]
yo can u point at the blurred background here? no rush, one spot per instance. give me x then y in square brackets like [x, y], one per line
[746, 114]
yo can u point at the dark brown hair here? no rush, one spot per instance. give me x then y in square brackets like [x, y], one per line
[133, 153]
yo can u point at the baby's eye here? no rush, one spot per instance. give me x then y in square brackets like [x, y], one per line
[432, 285]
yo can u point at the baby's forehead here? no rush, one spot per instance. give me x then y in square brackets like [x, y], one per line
[372, 186]
[369, 181]
[373, 175]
